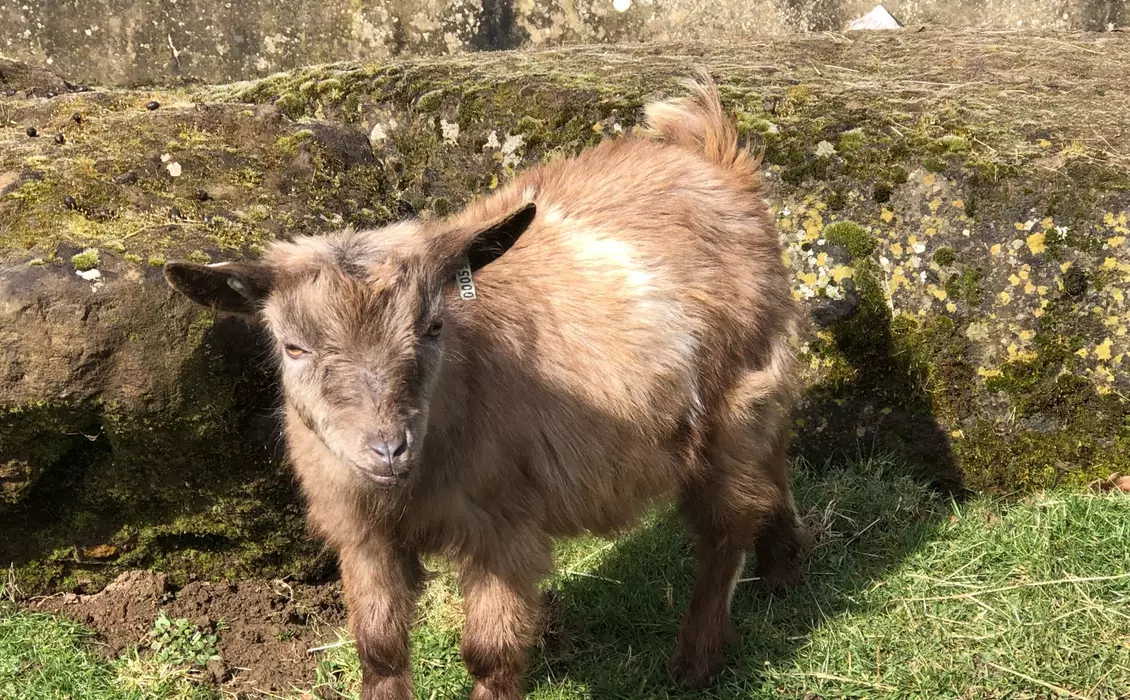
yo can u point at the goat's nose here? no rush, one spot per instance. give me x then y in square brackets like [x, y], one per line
[390, 448]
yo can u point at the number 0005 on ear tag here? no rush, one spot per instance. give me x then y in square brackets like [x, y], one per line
[464, 281]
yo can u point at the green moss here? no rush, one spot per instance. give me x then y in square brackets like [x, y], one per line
[157, 260]
[288, 145]
[971, 290]
[953, 143]
[858, 241]
[1085, 429]
[953, 286]
[132, 258]
[115, 246]
[200, 257]
[430, 101]
[944, 256]
[851, 141]
[934, 164]
[86, 260]
[36, 262]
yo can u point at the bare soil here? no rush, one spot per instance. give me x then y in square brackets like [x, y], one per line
[265, 628]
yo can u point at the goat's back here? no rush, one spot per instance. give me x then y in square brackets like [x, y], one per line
[645, 304]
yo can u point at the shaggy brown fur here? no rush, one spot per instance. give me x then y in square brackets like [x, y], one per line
[629, 344]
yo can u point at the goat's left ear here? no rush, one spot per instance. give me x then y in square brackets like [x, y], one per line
[489, 242]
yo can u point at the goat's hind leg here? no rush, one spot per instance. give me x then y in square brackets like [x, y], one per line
[743, 503]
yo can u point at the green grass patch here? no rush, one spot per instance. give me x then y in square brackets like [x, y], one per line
[45, 658]
[908, 595]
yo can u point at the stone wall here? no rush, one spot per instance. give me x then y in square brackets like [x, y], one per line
[139, 42]
[953, 205]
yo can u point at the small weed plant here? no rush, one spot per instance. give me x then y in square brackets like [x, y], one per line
[179, 642]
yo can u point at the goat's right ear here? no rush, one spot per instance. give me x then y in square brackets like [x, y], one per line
[235, 287]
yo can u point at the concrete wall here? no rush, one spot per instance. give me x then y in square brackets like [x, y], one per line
[130, 42]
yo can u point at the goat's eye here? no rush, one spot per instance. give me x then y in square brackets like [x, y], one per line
[294, 352]
[435, 327]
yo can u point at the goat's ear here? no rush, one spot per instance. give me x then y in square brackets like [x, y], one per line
[236, 287]
[489, 242]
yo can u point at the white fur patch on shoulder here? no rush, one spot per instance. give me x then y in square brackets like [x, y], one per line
[608, 256]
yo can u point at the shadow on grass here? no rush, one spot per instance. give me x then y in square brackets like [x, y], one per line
[620, 619]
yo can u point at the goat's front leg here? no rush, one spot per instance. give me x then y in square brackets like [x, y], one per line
[501, 603]
[382, 584]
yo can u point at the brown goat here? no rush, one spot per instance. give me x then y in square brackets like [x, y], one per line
[624, 340]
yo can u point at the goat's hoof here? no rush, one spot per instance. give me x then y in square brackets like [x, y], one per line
[781, 574]
[693, 671]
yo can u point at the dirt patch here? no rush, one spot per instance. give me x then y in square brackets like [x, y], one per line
[264, 627]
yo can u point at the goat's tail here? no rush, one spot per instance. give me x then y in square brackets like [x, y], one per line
[698, 123]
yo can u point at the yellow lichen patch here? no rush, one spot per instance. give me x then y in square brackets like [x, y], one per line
[957, 204]
[1029, 288]
[841, 272]
[1118, 295]
[813, 225]
[1103, 350]
[887, 216]
[1036, 243]
[935, 204]
[1005, 298]
[938, 292]
[1013, 280]
[822, 259]
[1082, 352]
[951, 307]
[929, 179]
[896, 250]
[1115, 241]
[1110, 264]
[809, 278]
[987, 373]
[1047, 224]
[996, 249]
[897, 279]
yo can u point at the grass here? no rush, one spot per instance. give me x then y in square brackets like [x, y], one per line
[45, 658]
[908, 595]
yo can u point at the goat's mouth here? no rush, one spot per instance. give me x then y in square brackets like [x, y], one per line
[387, 481]
[382, 476]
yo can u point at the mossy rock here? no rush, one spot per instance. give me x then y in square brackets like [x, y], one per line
[963, 254]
